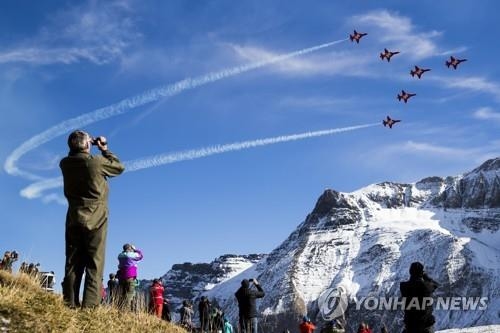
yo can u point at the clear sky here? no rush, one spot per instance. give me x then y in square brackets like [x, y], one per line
[70, 64]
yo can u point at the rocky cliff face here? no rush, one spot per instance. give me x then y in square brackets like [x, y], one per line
[365, 241]
[188, 281]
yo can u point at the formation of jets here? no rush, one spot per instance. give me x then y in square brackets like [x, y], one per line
[403, 96]
[454, 62]
[388, 55]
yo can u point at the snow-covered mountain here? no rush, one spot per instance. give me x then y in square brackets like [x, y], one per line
[366, 240]
[188, 280]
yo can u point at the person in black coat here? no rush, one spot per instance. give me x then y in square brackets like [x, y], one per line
[246, 296]
[204, 311]
[417, 292]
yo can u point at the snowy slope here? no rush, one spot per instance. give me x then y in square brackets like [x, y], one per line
[366, 241]
[188, 280]
[477, 329]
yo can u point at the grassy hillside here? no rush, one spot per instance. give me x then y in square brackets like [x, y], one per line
[25, 307]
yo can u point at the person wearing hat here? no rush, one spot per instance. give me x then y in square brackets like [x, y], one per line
[306, 326]
[127, 273]
[86, 190]
[246, 297]
[417, 292]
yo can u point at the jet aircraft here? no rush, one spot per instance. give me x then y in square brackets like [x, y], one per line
[356, 36]
[454, 62]
[418, 71]
[389, 122]
[388, 55]
[405, 96]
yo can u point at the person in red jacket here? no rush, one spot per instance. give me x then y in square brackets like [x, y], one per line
[306, 326]
[156, 297]
[364, 328]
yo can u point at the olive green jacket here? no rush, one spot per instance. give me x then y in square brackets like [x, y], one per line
[86, 187]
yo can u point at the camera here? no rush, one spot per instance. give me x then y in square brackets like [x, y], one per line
[250, 280]
[94, 141]
[14, 255]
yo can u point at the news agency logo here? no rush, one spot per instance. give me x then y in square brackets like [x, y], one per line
[332, 303]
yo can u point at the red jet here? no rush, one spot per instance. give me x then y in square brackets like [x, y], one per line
[454, 62]
[387, 55]
[389, 122]
[405, 96]
[418, 71]
[357, 36]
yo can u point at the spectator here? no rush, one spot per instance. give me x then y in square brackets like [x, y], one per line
[187, 315]
[418, 316]
[113, 285]
[306, 326]
[228, 328]
[86, 189]
[156, 297]
[364, 328]
[204, 312]
[166, 311]
[127, 274]
[8, 259]
[246, 296]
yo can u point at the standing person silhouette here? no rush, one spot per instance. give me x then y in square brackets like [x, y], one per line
[246, 297]
[86, 190]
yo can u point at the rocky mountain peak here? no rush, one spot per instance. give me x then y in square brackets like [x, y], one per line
[490, 165]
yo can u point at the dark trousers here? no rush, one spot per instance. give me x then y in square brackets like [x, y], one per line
[429, 329]
[248, 325]
[85, 251]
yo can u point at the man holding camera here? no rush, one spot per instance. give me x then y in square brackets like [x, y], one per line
[86, 189]
[417, 292]
[8, 259]
[246, 296]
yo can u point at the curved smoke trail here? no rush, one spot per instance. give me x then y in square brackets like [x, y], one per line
[35, 190]
[136, 101]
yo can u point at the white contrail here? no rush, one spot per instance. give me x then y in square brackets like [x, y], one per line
[36, 189]
[136, 101]
[192, 154]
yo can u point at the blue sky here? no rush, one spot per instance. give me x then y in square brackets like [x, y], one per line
[60, 60]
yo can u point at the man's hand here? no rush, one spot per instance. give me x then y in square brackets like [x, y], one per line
[102, 143]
